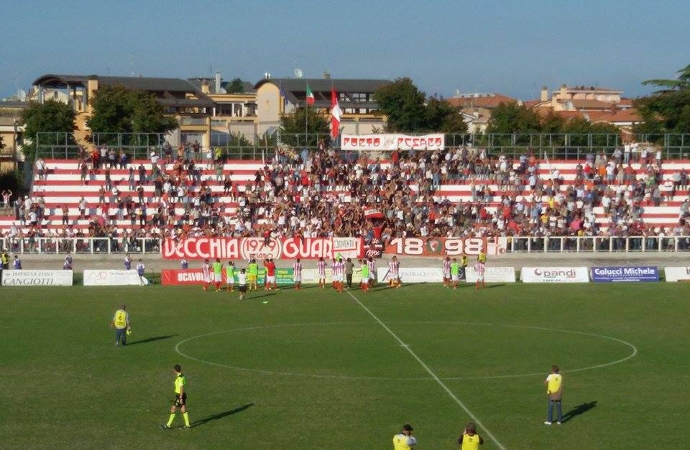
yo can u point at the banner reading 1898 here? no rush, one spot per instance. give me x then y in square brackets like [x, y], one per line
[438, 246]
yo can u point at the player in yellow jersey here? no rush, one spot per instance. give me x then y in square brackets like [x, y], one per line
[252, 274]
[469, 439]
[180, 400]
[121, 324]
[404, 440]
[554, 389]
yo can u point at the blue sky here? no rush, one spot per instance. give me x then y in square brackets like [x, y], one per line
[509, 47]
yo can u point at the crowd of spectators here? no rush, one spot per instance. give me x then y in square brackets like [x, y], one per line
[323, 193]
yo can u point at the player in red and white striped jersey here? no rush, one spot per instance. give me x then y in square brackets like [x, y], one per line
[479, 268]
[372, 271]
[338, 268]
[321, 268]
[297, 274]
[446, 272]
[333, 263]
[394, 272]
[206, 273]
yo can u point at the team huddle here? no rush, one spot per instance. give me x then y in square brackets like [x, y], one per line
[215, 274]
[454, 271]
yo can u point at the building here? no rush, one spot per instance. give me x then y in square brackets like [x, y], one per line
[233, 113]
[594, 104]
[208, 113]
[278, 96]
[11, 133]
[180, 98]
[476, 108]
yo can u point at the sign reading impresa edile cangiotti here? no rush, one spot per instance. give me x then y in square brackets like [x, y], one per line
[37, 277]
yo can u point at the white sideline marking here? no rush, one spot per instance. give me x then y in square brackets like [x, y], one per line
[430, 372]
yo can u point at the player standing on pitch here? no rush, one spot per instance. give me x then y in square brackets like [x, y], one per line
[180, 400]
[479, 269]
[297, 274]
[206, 273]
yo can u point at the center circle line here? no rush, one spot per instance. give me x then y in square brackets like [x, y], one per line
[633, 353]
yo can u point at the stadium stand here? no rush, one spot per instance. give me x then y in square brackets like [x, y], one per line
[457, 192]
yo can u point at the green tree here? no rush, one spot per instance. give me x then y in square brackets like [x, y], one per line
[117, 109]
[403, 104]
[513, 118]
[682, 83]
[310, 121]
[552, 123]
[236, 86]
[48, 117]
[442, 116]
[666, 110]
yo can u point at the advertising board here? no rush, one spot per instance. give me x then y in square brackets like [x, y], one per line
[554, 275]
[677, 274]
[492, 274]
[624, 274]
[112, 278]
[37, 278]
[412, 274]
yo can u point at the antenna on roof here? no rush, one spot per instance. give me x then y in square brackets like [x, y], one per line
[21, 95]
[298, 72]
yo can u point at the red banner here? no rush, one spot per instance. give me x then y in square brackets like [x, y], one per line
[439, 246]
[180, 276]
[260, 248]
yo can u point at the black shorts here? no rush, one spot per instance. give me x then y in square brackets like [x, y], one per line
[242, 288]
[180, 400]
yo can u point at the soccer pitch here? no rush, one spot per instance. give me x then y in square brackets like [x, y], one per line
[314, 369]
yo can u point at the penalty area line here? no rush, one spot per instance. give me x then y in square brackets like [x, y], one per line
[429, 371]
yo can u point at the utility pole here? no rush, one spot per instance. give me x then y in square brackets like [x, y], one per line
[14, 144]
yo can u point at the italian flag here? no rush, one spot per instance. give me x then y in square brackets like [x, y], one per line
[310, 96]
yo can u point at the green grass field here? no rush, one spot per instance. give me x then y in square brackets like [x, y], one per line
[314, 369]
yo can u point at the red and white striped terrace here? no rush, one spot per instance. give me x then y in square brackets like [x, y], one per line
[63, 187]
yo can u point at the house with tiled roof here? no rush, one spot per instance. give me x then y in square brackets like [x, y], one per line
[476, 108]
[360, 112]
[595, 104]
[180, 98]
[477, 100]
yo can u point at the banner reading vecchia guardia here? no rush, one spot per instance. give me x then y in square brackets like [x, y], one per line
[260, 248]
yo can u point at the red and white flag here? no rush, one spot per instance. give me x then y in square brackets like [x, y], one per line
[335, 114]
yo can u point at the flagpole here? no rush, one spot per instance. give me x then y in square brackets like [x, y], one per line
[306, 118]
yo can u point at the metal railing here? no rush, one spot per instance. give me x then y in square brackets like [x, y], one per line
[554, 145]
[81, 245]
[521, 244]
[604, 244]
